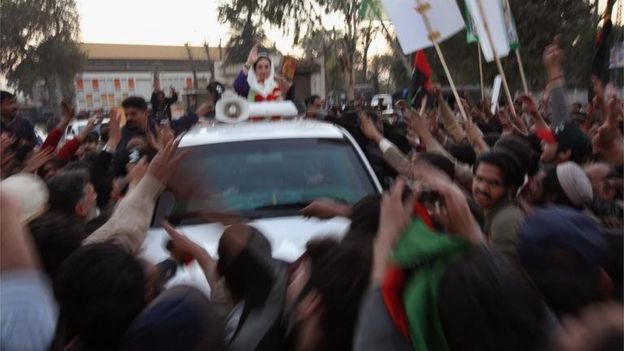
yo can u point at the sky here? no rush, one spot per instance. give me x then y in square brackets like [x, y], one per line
[158, 22]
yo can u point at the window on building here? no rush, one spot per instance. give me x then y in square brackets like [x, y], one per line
[79, 85]
[117, 84]
[189, 83]
[95, 84]
[89, 99]
[130, 84]
[104, 100]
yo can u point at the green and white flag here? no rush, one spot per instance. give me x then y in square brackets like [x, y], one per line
[370, 10]
[510, 25]
[471, 35]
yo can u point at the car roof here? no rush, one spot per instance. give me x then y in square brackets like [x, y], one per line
[246, 131]
[83, 122]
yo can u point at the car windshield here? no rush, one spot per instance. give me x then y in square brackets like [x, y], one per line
[263, 178]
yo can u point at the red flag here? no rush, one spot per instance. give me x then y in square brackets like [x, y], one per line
[421, 78]
[422, 68]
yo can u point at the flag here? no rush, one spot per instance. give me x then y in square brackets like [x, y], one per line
[490, 12]
[414, 33]
[600, 55]
[421, 78]
[370, 10]
[471, 35]
[510, 26]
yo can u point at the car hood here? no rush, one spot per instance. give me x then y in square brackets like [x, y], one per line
[288, 237]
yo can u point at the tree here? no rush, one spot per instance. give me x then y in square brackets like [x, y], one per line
[39, 44]
[298, 17]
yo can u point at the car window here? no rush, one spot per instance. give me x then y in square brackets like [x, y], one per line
[264, 178]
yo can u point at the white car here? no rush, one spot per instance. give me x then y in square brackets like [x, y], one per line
[267, 172]
[76, 126]
[383, 102]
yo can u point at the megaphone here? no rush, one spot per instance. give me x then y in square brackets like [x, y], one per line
[234, 109]
[231, 109]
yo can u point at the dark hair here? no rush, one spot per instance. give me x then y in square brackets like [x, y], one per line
[260, 58]
[484, 303]
[56, 237]
[340, 275]
[463, 152]
[510, 167]
[135, 101]
[552, 190]
[364, 227]
[491, 138]
[440, 162]
[100, 289]
[522, 149]
[364, 219]
[104, 133]
[92, 137]
[216, 89]
[5, 95]
[310, 99]
[66, 189]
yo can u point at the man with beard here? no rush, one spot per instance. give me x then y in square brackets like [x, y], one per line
[498, 175]
[138, 121]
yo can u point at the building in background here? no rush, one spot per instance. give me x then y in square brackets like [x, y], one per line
[114, 72]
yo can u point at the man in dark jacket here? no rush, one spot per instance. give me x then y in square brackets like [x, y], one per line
[11, 123]
[138, 121]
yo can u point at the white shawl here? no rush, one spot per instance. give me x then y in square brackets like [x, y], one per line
[269, 84]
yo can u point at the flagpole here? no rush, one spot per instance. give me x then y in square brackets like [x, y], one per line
[521, 66]
[480, 71]
[422, 8]
[496, 58]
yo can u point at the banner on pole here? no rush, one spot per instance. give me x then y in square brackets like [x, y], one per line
[494, 17]
[510, 26]
[443, 15]
[471, 36]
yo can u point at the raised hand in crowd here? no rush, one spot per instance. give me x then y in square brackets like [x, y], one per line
[369, 129]
[184, 249]
[453, 211]
[394, 217]
[114, 129]
[475, 137]
[552, 60]
[166, 161]
[531, 108]
[91, 124]
[164, 134]
[37, 159]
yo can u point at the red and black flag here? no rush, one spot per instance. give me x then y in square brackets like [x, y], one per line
[421, 78]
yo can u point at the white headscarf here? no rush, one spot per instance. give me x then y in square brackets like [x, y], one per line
[269, 84]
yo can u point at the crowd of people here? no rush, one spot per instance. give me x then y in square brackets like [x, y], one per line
[502, 232]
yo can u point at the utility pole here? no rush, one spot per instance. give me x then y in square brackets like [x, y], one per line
[192, 62]
[211, 64]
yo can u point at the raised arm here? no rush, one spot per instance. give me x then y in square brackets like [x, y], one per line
[129, 223]
[558, 104]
